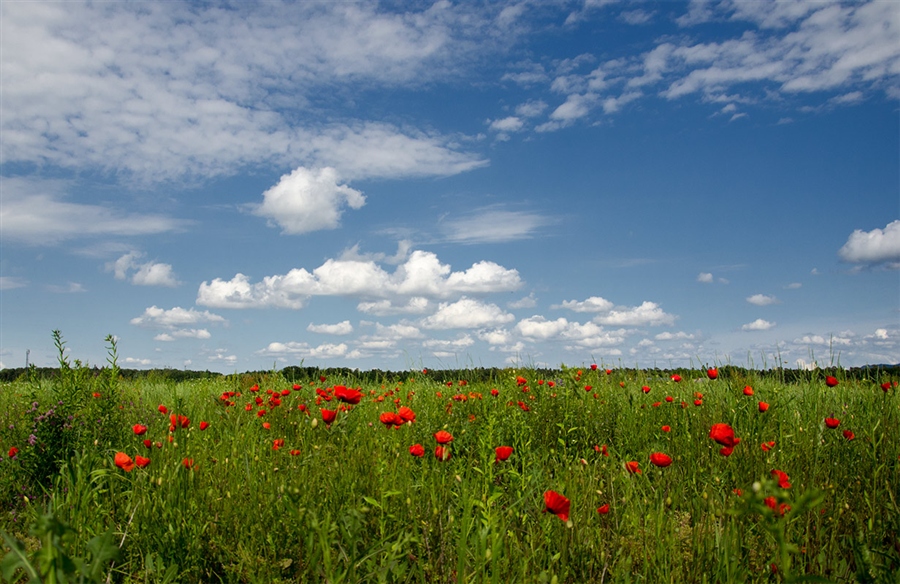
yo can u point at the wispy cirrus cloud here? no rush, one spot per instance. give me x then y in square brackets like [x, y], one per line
[35, 212]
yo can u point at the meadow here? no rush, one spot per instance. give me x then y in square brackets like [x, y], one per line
[583, 474]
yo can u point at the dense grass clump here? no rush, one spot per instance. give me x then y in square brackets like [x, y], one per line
[247, 482]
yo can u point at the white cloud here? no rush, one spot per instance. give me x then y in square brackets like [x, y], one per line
[495, 336]
[34, 212]
[508, 124]
[341, 328]
[12, 282]
[874, 247]
[70, 288]
[538, 327]
[422, 275]
[526, 302]
[762, 300]
[705, 278]
[99, 86]
[174, 318]
[378, 150]
[136, 361]
[176, 334]
[303, 350]
[793, 286]
[647, 314]
[308, 200]
[415, 305]
[155, 274]
[466, 313]
[494, 226]
[636, 16]
[592, 304]
[669, 336]
[452, 345]
[531, 109]
[758, 325]
[145, 274]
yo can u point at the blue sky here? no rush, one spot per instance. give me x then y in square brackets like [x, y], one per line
[406, 185]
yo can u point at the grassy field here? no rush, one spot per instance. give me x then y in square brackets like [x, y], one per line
[610, 476]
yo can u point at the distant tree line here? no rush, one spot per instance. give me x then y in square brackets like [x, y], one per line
[299, 374]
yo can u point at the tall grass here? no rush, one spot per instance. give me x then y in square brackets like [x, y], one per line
[355, 506]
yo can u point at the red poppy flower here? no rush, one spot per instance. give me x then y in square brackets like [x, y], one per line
[124, 461]
[712, 373]
[767, 446]
[831, 381]
[139, 429]
[783, 478]
[676, 378]
[849, 435]
[349, 396]
[148, 443]
[417, 450]
[670, 399]
[832, 423]
[748, 390]
[295, 452]
[661, 460]
[632, 467]
[657, 404]
[254, 388]
[603, 509]
[163, 409]
[328, 416]
[277, 443]
[495, 392]
[502, 453]
[521, 380]
[723, 434]
[204, 425]
[443, 437]
[390, 419]
[524, 407]
[179, 420]
[267, 425]
[13, 451]
[188, 463]
[442, 453]
[645, 389]
[593, 366]
[763, 406]
[322, 378]
[296, 387]
[556, 504]
[779, 509]
[666, 428]
[406, 414]
[609, 371]
[141, 461]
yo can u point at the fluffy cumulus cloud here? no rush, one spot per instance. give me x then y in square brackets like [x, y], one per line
[466, 313]
[421, 276]
[341, 328]
[592, 304]
[647, 314]
[308, 200]
[876, 247]
[758, 325]
[761, 300]
[303, 350]
[176, 323]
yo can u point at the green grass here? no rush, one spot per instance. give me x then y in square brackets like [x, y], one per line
[355, 506]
